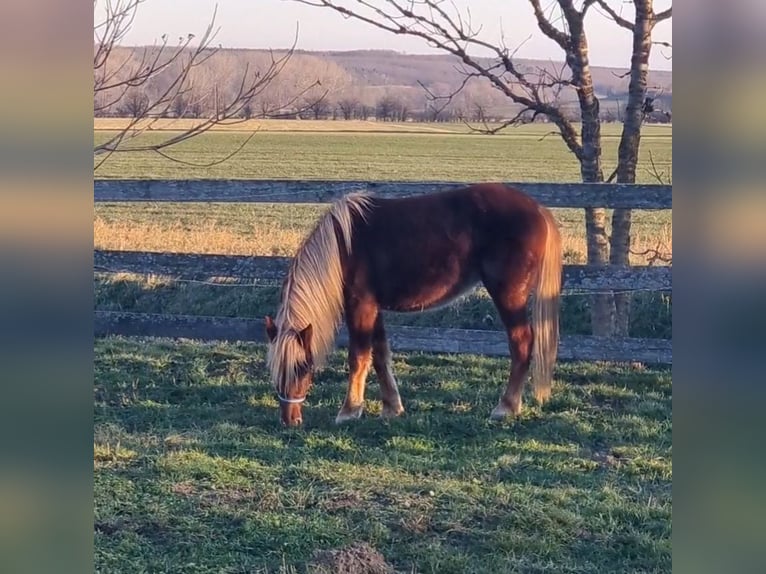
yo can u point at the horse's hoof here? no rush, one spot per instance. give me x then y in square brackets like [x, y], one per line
[501, 412]
[392, 412]
[345, 416]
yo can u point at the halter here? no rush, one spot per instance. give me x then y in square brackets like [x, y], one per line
[290, 401]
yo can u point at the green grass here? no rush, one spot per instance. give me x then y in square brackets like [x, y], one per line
[516, 155]
[194, 474]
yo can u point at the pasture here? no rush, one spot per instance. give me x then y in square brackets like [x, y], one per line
[194, 474]
[309, 150]
[378, 150]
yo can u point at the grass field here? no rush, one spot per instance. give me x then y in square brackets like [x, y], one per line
[194, 474]
[306, 150]
[312, 151]
[309, 150]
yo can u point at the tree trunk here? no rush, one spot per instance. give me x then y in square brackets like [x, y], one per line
[620, 255]
[602, 305]
[628, 151]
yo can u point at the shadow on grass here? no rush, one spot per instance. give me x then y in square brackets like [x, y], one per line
[193, 466]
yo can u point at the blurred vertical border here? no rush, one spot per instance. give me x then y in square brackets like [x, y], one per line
[46, 290]
[719, 209]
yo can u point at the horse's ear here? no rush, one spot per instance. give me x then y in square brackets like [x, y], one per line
[271, 329]
[305, 339]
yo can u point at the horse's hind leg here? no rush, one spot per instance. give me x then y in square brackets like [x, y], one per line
[381, 361]
[511, 302]
[360, 320]
[520, 344]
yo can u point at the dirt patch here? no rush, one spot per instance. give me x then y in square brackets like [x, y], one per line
[155, 531]
[250, 498]
[109, 527]
[347, 501]
[358, 558]
[608, 459]
[184, 488]
[415, 523]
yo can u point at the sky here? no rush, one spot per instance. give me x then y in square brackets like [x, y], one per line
[272, 24]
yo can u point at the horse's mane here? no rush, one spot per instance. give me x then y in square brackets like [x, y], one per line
[312, 293]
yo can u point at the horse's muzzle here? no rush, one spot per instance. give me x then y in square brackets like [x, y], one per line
[290, 413]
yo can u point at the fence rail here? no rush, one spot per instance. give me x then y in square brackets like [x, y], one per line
[202, 267]
[431, 340]
[580, 278]
[609, 195]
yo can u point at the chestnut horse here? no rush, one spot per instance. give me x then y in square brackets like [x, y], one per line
[368, 254]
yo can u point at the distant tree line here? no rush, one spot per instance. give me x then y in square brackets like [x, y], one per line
[314, 88]
[387, 108]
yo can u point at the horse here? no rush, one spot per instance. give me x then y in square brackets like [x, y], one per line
[368, 254]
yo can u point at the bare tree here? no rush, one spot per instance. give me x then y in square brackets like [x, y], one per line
[434, 111]
[403, 111]
[479, 112]
[134, 104]
[247, 111]
[387, 108]
[636, 110]
[539, 92]
[162, 75]
[318, 108]
[179, 106]
[366, 111]
[348, 107]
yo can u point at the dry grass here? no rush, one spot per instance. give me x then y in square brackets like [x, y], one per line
[170, 124]
[210, 238]
[214, 238]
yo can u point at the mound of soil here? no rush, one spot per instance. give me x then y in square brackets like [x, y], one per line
[358, 558]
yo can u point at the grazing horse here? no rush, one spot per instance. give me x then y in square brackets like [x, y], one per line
[368, 254]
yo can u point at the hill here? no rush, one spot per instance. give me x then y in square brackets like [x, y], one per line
[390, 68]
[441, 74]
[365, 79]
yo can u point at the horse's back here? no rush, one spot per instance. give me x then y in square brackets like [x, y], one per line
[495, 194]
[425, 250]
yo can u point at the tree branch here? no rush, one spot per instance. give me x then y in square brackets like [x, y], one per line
[658, 175]
[664, 15]
[167, 72]
[547, 28]
[654, 255]
[434, 25]
[487, 130]
[619, 20]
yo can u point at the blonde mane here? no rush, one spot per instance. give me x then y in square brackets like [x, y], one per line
[312, 292]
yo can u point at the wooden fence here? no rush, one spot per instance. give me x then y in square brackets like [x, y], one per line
[578, 278]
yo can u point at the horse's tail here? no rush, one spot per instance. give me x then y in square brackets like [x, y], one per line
[545, 313]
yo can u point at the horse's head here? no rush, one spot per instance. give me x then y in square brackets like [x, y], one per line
[292, 367]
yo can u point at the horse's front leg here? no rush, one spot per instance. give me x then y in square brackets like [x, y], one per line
[360, 320]
[381, 361]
